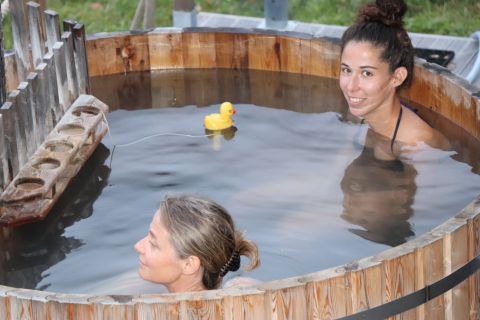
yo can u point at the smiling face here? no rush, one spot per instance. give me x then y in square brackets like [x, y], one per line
[159, 261]
[365, 80]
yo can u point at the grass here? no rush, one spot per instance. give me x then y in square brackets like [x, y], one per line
[455, 17]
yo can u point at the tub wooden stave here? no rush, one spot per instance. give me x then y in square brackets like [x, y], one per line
[326, 294]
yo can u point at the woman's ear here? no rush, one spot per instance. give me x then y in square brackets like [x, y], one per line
[399, 75]
[191, 265]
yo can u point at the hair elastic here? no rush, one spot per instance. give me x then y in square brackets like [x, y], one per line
[232, 264]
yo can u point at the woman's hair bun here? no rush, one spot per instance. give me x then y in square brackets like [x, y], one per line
[388, 12]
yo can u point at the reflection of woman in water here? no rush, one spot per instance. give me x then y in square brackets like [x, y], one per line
[378, 193]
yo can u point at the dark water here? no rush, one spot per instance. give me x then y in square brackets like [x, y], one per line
[299, 175]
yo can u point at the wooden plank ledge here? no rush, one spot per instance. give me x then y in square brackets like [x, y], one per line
[39, 184]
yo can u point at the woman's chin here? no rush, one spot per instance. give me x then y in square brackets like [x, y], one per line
[357, 112]
[141, 274]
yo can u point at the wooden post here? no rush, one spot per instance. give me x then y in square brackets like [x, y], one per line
[52, 23]
[52, 87]
[61, 72]
[24, 111]
[36, 34]
[67, 39]
[3, 76]
[34, 95]
[19, 119]
[45, 117]
[3, 158]
[10, 124]
[20, 38]
[81, 58]
[42, 7]
[68, 25]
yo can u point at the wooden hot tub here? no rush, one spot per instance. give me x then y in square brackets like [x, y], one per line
[326, 294]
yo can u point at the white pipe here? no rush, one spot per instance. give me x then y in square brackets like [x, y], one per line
[473, 74]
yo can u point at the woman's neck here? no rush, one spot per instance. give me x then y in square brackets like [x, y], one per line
[384, 118]
[185, 285]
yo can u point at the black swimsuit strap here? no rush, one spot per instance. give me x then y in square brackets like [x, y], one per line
[396, 128]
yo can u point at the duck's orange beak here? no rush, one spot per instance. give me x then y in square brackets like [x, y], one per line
[234, 111]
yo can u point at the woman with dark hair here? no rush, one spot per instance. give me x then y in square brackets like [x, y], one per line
[376, 62]
[192, 244]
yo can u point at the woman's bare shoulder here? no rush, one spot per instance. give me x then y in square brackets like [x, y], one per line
[241, 282]
[416, 130]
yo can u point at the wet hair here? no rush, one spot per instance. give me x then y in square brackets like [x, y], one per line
[381, 24]
[202, 228]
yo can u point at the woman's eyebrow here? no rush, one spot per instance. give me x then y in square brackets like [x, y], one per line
[361, 67]
[368, 67]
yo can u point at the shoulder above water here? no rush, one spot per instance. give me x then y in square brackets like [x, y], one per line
[414, 129]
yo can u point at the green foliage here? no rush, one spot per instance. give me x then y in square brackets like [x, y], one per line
[7, 32]
[454, 17]
[108, 15]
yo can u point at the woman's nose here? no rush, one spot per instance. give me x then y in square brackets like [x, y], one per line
[352, 84]
[140, 245]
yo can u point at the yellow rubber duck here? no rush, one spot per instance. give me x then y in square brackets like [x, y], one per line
[222, 120]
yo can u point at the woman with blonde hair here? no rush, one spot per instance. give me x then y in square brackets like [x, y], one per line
[192, 244]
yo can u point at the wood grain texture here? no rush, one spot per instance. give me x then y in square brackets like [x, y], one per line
[263, 52]
[289, 303]
[4, 174]
[37, 41]
[447, 94]
[327, 299]
[290, 54]
[324, 59]
[244, 306]
[474, 251]
[397, 271]
[21, 38]
[460, 296]
[231, 50]
[118, 54]
[199, 50]
[201, 309]
[165, 50]
[365, 288]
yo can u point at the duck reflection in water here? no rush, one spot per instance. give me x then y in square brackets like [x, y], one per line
[215, 136]
[379, 191]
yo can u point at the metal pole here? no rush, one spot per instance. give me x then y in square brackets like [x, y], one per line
[276, 14]
[184, 13]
